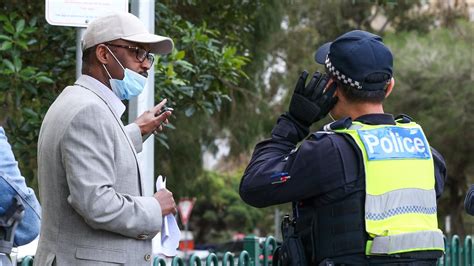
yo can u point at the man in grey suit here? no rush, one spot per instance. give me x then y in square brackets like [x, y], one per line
[94, 208]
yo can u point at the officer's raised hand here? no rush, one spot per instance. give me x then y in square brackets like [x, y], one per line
[311, 103]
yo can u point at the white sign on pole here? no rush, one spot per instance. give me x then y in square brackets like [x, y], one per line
[185, 207]
[78, 13]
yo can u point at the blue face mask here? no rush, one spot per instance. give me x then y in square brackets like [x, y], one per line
[130, 86]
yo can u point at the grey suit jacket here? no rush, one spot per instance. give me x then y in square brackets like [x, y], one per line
[90, 187]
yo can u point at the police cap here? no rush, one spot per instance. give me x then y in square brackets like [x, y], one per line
[354, 56]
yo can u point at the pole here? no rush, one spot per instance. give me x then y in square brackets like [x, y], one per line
[145, 11]
[185, 246]
[79, 35]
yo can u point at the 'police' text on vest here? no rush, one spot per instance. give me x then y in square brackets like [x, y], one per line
[395, 143]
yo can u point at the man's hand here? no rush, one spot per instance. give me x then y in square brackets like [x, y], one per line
[152, 120]
[311, 103]
[166, 201]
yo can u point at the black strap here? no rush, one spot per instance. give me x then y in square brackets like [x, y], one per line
[8, 223]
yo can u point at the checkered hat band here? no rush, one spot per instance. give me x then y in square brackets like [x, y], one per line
[341, 77]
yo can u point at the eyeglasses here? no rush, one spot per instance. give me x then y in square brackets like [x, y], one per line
[140, 53]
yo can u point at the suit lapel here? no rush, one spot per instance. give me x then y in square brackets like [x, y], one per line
[84, 84]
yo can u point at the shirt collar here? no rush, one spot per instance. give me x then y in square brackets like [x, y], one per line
[377, 119]
[109, 96]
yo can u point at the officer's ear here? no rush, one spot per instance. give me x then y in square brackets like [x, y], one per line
[330, 83]
[389, 88]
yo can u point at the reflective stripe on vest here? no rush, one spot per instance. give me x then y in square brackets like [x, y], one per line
[400, 202]
[400, 205]
[422, 240]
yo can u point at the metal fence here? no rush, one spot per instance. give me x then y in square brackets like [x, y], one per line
[256, 253]
[457, 252]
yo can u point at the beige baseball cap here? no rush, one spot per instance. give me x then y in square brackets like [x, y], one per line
[127, 27]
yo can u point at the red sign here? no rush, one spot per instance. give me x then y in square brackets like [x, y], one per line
[185, 207]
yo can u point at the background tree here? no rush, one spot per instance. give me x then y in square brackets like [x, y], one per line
[29, 61]
[247, 27]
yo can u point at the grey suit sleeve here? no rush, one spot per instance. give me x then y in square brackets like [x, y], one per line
[134, 133]
[87, 150]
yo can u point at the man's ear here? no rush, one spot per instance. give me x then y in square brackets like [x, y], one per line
[389, 88]
[101, 53]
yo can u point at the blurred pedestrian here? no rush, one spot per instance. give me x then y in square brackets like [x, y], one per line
[12, 184]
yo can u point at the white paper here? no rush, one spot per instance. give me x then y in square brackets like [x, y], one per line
[170, 233]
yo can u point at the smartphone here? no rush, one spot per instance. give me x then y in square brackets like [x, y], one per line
[164, 109]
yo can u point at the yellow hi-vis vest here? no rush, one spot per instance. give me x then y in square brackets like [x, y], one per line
[400, 204]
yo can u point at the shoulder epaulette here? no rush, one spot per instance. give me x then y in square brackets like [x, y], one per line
[403, 118]
[342, 123]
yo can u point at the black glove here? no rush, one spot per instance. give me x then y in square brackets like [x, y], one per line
[311, 103]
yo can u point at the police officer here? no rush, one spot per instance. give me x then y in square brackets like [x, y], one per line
[364, 188]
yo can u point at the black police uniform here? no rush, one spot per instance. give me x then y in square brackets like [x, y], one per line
[325, 177]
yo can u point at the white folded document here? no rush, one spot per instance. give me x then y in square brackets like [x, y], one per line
[170, 233]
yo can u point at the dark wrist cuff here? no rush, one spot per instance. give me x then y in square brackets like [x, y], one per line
[289, 128]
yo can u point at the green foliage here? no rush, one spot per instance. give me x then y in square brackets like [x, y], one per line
[25, 88]
[213, 72]
[219, 212]
[33, 56]
[195, 75]
[248, 27]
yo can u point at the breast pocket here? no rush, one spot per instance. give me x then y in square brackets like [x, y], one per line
[100, 256]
